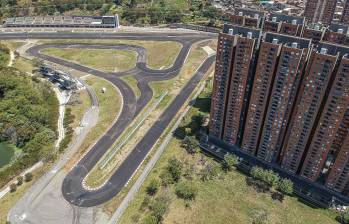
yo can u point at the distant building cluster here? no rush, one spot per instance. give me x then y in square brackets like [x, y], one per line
[281, 94]
[63, 21]
[290, 25]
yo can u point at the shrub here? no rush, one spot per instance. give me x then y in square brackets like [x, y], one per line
[159, 208]
[13, 188]
[267, 176]
[153, 187]
[28, 177]
[343, 217]
[230, 161]
[145, 203]
[150, 219]
[190, 144]
[257, 173]
[166, 178]
[285, 186]
[186, 190]
[208, 172]
[271, 178]
[174, 167]
[19, 180]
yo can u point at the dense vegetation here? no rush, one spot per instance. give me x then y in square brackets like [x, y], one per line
[28, 119]
[131, 11]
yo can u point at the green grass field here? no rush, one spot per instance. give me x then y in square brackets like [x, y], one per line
[102, 59]
[225, 199]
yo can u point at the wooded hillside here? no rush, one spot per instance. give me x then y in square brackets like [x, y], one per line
[28, 119]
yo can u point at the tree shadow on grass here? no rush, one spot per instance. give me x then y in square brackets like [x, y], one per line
[203, 104]
[191, 127]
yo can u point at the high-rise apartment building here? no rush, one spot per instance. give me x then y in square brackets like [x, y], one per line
[317, 76]
[288, 75]
[338, 175]
[336, 33]
[234, 54]
[225, 50]
[245, 43]
[246, 17]
[335, 105]
[286, 24]
[320, 11]
[266, 65]
[315, 32]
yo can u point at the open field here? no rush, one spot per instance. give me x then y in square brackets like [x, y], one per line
[160, 54]
[106, 60]
[224, 199]
[172, 87]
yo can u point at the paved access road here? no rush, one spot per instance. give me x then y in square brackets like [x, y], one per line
[72, 188]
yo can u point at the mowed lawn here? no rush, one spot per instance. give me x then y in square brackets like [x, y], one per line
[226, 199]
[107, 60]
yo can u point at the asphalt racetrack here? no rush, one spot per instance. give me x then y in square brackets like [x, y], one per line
[72, 188]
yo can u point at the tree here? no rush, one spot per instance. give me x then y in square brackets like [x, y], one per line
[186, 190]
[190, 144]
[28, 177]
[285, 186]
[19, 180]
[153, 187]
[13, 188]
[230, 161]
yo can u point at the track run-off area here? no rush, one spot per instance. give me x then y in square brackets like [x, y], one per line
[72, 187]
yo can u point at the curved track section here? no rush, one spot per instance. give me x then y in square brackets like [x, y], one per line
[72, 188]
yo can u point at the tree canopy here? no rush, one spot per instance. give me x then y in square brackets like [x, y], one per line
[28, 118]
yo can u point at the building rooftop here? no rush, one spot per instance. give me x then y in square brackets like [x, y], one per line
[68, 20]
[291, 41]
[333, 49]
[279, 17]
[338, 27]
[250, 13]
[243, 31]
